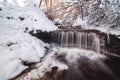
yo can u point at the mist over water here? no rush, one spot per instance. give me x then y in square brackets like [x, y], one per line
[86, 65]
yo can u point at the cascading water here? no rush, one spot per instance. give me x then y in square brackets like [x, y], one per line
[77, 51]
[82, 40]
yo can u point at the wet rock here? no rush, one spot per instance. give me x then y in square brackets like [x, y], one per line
[21, 18]
[0, 9]
[8, 17]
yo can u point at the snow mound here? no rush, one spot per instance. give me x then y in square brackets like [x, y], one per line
[16, 45]
[27, 16]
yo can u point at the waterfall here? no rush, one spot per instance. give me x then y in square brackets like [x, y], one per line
[82, 40]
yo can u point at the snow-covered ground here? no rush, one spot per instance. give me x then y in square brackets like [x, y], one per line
[15, 44]
[25, 15]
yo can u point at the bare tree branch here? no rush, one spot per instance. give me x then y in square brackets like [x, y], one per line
[81, 7]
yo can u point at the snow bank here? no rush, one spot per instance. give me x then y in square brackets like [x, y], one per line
[27, 15]
[16, 45]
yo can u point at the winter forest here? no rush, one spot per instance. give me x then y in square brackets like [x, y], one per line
[59, 39]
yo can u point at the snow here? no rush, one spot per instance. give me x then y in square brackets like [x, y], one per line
[79, 21]
[11, 69]
[16, 45]
[72, 56]
[23, 47]
[100, 15]
[68, 0]
[35, 21]
[103, 27]
[48, 62]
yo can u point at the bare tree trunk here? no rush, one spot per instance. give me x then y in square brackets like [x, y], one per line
[50, 3]
[81, 6]
[40, 3]
[46, 4]
[81, 11]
